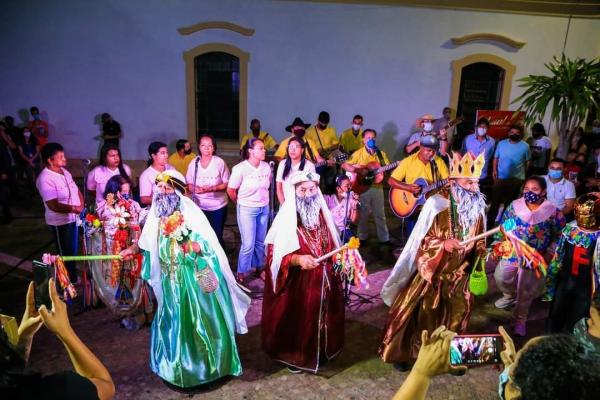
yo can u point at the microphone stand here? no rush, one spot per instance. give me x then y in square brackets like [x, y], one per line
[272, 194]
[362, 299]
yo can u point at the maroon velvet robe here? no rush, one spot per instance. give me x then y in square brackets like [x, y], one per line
[303, 319]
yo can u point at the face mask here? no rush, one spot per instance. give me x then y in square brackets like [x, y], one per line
[596, 129]
[256, 130]
[427, 126]
[515, 138]
[531, 197]
[27, 134]
[188, 152]
[355, 127]
[371, 144]
[299, 132]
[36, 117]
[555, 173]
[502, 382]
[322, 126]
[481, 131]
[537, 135]
[125, 196]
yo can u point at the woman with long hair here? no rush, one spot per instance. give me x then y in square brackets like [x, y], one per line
[537, 222]
[157, 163]
[249, 187]
[111, 164]
[207, 176]
[294, 161]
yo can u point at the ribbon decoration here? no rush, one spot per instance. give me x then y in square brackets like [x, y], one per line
[350, 265]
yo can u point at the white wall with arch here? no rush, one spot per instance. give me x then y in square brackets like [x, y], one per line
[78, 59]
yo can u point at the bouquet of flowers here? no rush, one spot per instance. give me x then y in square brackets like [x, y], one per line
[93, 224]
[174, 227]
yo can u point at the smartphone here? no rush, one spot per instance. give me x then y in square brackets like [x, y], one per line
[475, 350]
[41, 275]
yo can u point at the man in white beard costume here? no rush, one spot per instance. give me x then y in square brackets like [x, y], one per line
[200, 306]
[303, 305]
[429, 285]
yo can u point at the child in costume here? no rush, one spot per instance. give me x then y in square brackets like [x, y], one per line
[574, 272]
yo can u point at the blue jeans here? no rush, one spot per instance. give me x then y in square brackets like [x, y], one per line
[216, 219]
[252, 222]
[65, 238]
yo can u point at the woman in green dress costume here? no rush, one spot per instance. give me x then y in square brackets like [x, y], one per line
[200, 306]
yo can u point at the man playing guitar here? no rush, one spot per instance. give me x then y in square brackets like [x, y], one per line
[372, 199]
[423, 164]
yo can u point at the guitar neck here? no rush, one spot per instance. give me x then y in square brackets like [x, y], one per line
[434, 186]
[386, 168]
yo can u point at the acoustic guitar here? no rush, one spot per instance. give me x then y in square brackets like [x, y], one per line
[404, 203]
[340, 158]
[374, 175]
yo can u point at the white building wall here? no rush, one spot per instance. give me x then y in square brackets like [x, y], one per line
[77, 59]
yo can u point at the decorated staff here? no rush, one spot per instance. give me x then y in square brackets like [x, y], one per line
[429, 285]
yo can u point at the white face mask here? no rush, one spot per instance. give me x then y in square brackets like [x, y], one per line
[427, 126]
[355, 127]
[481, 131]
[27, 134]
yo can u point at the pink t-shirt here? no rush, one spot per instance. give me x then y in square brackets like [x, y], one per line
[308, 167]
[252, 183]
[215, 173]
[61, 187]
[98, 177]
[338, 209]
[147, 179]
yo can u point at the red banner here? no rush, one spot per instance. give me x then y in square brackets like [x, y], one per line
[500, 121]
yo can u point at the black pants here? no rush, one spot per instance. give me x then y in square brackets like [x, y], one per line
[65, 238]
[571, 303]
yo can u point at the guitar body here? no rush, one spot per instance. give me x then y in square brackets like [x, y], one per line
[362, 183]
[404, 203]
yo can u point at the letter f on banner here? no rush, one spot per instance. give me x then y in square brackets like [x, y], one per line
[579, 258]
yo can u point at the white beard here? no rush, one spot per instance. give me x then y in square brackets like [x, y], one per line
[308, 209]
[469, 206]
[166, 204]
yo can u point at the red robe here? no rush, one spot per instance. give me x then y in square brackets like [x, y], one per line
[303, 319]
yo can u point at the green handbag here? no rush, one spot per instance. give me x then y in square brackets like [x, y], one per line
[478, 284]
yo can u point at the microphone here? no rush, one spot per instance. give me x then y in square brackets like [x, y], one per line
[271, 164]
[86, 161]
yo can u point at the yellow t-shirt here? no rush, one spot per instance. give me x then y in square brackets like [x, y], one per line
[270, 143]
[412, 168]
[282, 149]
[323, 139]
[362, 157]
[181, 164]
[350, 142]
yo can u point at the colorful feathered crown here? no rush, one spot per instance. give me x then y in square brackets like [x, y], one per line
[467, 166]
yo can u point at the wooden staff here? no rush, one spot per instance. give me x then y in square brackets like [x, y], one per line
[480, 236]
[331, 253]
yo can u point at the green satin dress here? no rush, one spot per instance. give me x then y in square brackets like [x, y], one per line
[193, 332]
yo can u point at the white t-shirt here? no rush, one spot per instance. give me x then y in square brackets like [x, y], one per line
[147, 179]
[215, 173]
[308, 167]
[538, 150]
[98, 177]
[61, 187]
[252, 183]
[560, 191]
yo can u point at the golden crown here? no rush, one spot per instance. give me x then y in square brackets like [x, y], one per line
[467, 166]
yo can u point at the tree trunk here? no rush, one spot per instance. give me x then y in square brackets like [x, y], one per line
[563, 137]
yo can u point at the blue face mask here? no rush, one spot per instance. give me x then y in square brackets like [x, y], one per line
[555, 173]
[371, 144]
[36, 117]
[532, 198]
[502, 382]
[125, 196]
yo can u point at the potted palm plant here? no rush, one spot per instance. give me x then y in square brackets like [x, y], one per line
[569, 93]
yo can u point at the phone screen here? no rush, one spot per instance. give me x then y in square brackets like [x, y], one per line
[41, 274]
[475, 350]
